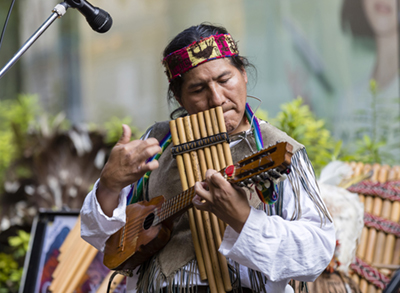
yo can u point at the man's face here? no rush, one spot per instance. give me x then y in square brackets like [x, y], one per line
[217, 83]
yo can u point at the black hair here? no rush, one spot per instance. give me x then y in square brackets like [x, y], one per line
[354, 19]
[185, 38]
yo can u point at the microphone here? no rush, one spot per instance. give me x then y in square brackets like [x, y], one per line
[98, 19]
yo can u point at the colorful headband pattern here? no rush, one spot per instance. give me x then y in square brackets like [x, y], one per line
[213, 47]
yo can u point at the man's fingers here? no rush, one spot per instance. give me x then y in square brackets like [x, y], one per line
[150, 166]
[126, 134]
[149, 147]
[202, 192]
[214, 178]
[199, 203]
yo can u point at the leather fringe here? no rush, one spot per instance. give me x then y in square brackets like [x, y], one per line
[310, 185]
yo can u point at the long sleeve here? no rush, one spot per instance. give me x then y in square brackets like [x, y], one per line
[280, 248]
[96, 227]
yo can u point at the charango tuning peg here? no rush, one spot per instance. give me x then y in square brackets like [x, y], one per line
[264, 176]
[241, 184]
[257, 178]
[248, 181]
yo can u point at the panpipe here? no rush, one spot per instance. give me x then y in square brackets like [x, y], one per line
[377, 254]
[74, 259]
[201, 143]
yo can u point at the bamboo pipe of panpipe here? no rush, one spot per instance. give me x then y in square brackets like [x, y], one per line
[81, 270]
[383, 211]
[367, 208]
[359, 169]
[396, 250]
[368, 202]
[200, 152]
[355, 278]
[227, 152]
[214, 152]
[203, 132]
[376, 244]
[213, 251]
[395, 217]
[115, 282]
[376, 211]
[215, 127]
[353, 165]
[222, 127]
[204, 266]
[396, 253]
[205, 215]
[218, 123]
[212, 282]
[386, 266]
[390, 212]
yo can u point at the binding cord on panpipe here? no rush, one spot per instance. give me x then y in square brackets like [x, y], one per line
[208, 130]
[376, 252]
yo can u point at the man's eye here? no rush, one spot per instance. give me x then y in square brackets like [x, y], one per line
[224, 80]
[198, 90]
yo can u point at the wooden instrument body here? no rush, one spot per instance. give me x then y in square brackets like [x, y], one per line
[140, 241]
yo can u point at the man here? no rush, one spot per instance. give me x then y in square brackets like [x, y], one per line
[294, 239]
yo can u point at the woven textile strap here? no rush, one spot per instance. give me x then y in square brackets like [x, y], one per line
[381, 224]
[199, 143]
[388, 190]
[369, 273]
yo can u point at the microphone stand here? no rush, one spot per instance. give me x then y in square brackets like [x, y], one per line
[57, 12]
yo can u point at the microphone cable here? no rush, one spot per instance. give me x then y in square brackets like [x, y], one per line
[6, 22]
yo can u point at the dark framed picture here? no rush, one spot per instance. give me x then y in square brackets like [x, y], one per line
[49, 231]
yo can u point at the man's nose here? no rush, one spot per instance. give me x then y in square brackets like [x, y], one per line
[217, 97]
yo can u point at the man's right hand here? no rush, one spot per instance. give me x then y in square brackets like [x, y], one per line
[126, 164]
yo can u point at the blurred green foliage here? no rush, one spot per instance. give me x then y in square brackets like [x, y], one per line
[11, 263]
[113, 129]
[297, 120]
[15, 118]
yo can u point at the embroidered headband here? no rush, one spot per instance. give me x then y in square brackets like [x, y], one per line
[210, 48]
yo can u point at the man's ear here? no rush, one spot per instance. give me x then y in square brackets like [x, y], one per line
[244, 73]
[179, 100]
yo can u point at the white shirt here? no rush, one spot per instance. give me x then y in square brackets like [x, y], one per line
[279, 248]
